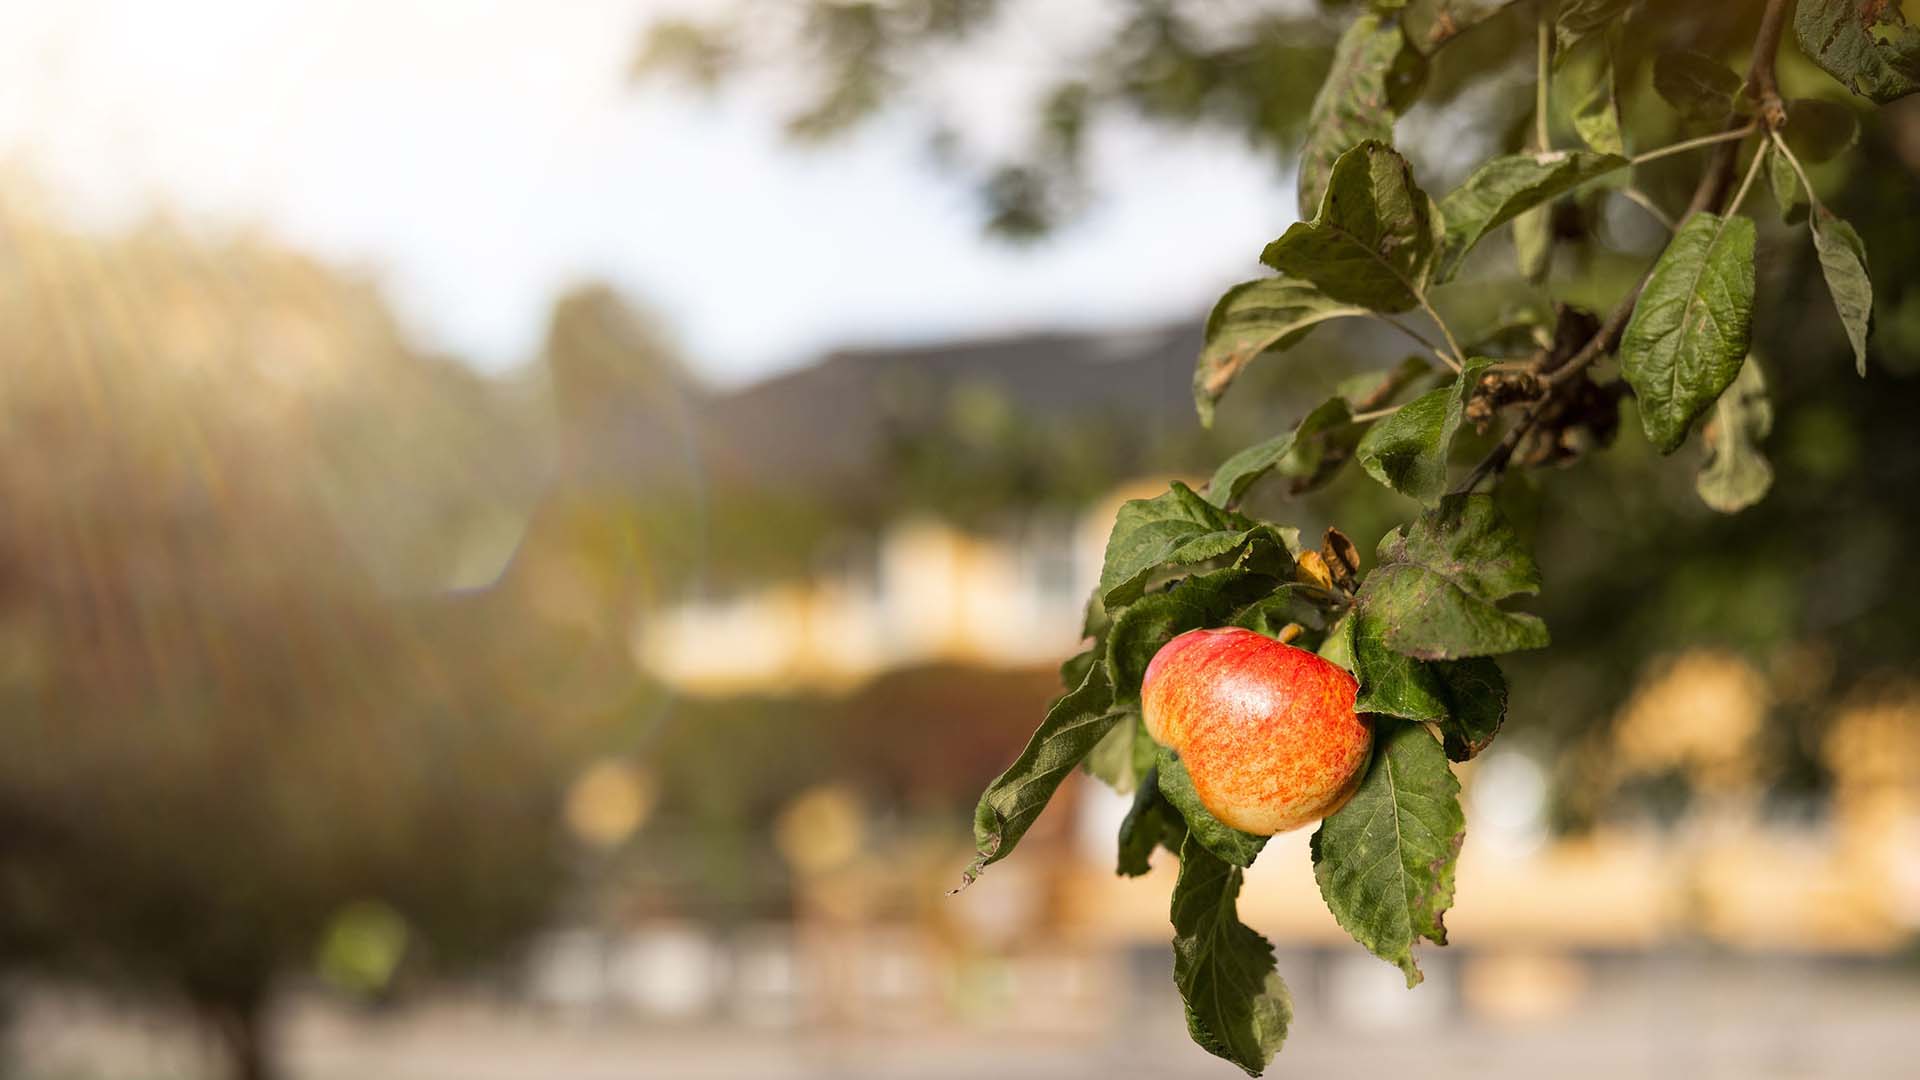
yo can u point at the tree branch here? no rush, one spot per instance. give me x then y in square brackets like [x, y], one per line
[1762, 86]
[1602, 342]
[1709, 194]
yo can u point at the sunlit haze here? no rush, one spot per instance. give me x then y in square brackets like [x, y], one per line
[514, 565]
[480, 157]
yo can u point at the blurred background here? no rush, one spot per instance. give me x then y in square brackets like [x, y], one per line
[525, 527]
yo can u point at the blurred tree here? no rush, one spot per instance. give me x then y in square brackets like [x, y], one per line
[245, 723]
[914, 745]
[1177, 65]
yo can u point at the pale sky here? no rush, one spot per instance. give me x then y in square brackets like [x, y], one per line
[479, 156]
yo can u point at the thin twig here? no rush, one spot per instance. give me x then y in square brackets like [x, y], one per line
[1713, 183]
[1746, 183]
[1458, 360]
[1427, 342]
[1361, 418]
[1685, 145]
[1497, 459]
[1603, 340]
[1645, 202]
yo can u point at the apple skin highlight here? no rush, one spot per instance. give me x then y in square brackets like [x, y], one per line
[1266, 731]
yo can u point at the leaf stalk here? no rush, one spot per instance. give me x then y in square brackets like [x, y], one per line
[1734, 135]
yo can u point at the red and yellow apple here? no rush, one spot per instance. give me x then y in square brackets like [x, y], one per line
[1266, 731]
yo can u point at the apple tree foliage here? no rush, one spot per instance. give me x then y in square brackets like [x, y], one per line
[1420, 629]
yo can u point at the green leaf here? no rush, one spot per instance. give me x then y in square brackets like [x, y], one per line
[1148, 532]
[1843, 261]
[1073, 670]
[1314, 451]
[1375, 75]
[1093, 624]
[1466, 537]
[1866, 44]
[1506, 186]
[1337, 646]
[1216, 836]
[1321, 444]
[1595, 102]
[1254, 318]
[1113, 759]
[1578, 20]
[1372, 242]
[1121, 759]
[1690, 329]
[1736, 474]
[1385, 860]
[1178, 529]
[1477, 691]
[1151, 822]
[1317, 446]
[1701, 89]
[1075, 724]
[1287, 605]
[1143, 627]
[1239, 472]
[1311, 454]
[1788, 193]
[1237, 1007]
[1407, 451]
[1391, 683]
[1465, 699]
[1596, 117]
[1436, 589]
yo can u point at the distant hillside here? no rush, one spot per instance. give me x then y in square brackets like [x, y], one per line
[836, 422]
[831, 422]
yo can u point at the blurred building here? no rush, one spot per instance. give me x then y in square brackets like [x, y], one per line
[923, 592]
[955, 544]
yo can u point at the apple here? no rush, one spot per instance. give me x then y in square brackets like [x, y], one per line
[1267, 731]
